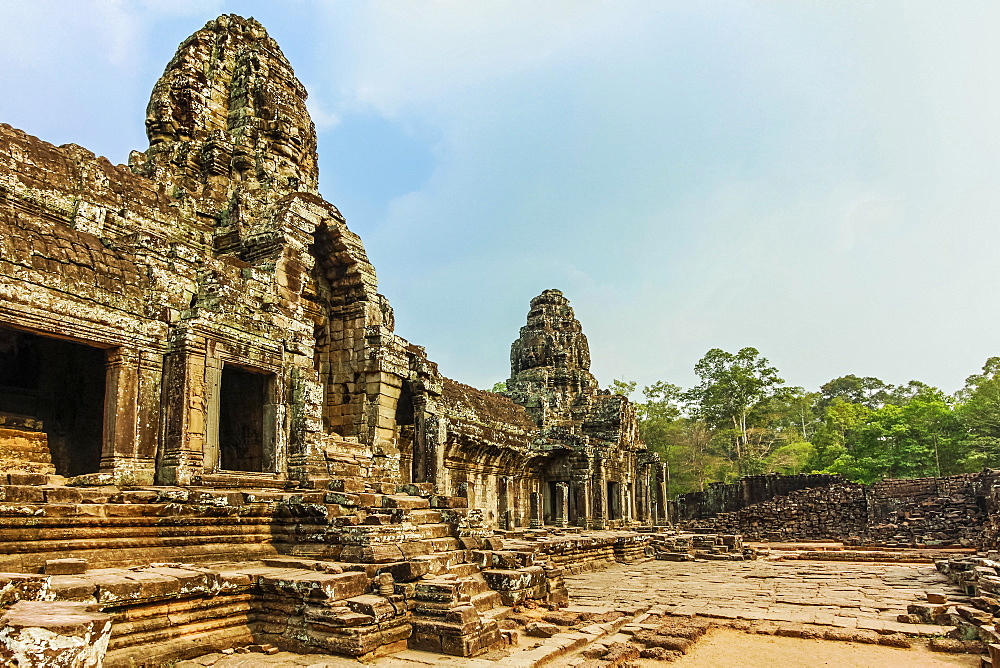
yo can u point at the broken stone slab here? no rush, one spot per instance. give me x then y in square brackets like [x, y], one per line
[45, 634]
[541, 630]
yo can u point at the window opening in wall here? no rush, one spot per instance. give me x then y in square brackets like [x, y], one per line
[243, 429]
[55, 387]
[614, 501]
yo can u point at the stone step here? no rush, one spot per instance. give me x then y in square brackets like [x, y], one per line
[245, 481]
[498, 612]
[425, 516]
[439, 562]
[433, 531]
[487, 601]
[473, 584]
[463, 570]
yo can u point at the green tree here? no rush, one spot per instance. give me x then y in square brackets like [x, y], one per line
[731, 387]
[866, 391]
[979, 413]
[923, 437]
[499, 387]
[622, 387]
[835, 435]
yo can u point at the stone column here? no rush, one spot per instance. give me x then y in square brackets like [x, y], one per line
[582, 502]
[503, 502]
[625, 501]
[131, 415]
[535, 503]
[599, 500]
[661, 496]
[184, 413]
[562, 519]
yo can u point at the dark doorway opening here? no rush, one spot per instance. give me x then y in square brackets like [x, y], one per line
[614, 500]
[56, 387]
[242, 423]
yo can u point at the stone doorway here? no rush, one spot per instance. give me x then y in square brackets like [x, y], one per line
[614, 500]
[57, 388]
[245, 432]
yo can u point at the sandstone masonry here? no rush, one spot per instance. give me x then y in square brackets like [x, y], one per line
[211, 434]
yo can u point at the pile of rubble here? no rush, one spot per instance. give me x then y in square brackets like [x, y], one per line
[925, 512]
[832, 511]
[676, 546]
[929, 511]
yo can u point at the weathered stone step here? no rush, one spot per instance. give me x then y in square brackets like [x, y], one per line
[435, 531]
[487, 601]
[425, 516]
[462, 570]
[438, 563]
[496, 612]
[473, 584]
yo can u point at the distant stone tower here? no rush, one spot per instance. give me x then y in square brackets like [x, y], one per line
[550, 361]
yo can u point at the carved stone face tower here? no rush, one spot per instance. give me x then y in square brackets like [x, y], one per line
[229, 111]
[550, 361]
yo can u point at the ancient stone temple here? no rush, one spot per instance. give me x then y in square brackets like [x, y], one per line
[196, 366]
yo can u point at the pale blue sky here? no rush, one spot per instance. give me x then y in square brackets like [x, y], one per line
[817, 180]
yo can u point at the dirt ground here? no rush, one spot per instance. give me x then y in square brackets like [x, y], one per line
[726, 647]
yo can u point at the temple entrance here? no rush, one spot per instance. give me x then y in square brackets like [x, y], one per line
[54, 387]
[614, 500]
[244, 433]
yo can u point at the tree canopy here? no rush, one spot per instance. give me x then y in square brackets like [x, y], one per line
[740, 418]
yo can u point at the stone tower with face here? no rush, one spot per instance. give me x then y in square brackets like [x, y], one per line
[228, 115]
[550, 360]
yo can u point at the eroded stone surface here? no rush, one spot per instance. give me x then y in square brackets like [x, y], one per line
[39, 634]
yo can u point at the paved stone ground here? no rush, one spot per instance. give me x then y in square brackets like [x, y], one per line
[837, 594]
[842, 594]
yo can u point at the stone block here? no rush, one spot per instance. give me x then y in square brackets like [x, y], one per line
[374, 606]
[24, 494]
[439, 501]
[62, 495]
[349, 485]
[43, 634]
[404, 502]
[65, 566]
[510, 580]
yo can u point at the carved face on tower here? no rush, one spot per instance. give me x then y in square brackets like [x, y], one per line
[229, 106]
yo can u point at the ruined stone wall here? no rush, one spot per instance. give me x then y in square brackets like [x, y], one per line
[747, 491]
[932, 511]
[950, 510]
[834, 511]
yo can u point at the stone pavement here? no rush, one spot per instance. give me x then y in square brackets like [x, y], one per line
[865, 596]
[848, 595]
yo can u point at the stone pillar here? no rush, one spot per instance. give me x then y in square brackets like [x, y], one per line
[184, 413]
[562, 519]
[535, 503]
[582, 501]
[503, 502]
[625, 491]
[661, 496]
[131, 415]
[599, 501]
